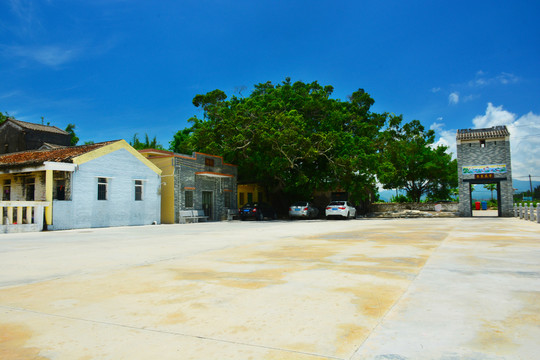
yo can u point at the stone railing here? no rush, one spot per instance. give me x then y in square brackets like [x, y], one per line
[527, 211]
[21, 216]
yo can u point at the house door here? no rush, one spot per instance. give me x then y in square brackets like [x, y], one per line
[473, 200]
[207, 204]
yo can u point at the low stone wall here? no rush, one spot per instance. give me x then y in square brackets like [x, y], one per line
[385, 207]
[400, 207]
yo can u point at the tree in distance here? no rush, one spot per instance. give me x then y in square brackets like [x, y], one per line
[410, 161]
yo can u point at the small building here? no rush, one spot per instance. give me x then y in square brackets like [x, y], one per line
[98, 185]
[483, 157]
[248, 193]
[197, 182]
[16, 135]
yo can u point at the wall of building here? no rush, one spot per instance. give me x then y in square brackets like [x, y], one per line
[166, 164]
[255, 192]
[121, 169]
[495, 151]
[13, 139]
[186, 179]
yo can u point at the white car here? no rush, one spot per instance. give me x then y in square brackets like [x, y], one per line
[340, 208]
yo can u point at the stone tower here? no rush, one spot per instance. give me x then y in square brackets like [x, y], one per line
[483, 157]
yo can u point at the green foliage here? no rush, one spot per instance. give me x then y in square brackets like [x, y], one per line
[147, 144]
[3, 117]
[90, 142]
[410, 162]
[291, 137]
[71, 130]
[491, 187]
[181, 142]
[400, 199]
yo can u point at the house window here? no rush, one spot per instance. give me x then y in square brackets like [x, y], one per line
[209, 162]
[30, 189]
[227, 199]
[6, 191]
[102, 189]
[188, 195]
[482, 143]
[250, 197]
[138, 190]
[60, 190]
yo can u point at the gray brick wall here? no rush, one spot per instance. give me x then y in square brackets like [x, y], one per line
[214, 183]
[471, 153]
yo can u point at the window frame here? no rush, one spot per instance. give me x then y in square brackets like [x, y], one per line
[102, 189]
[139, 189]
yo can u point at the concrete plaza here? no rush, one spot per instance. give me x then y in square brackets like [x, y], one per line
[447, 288]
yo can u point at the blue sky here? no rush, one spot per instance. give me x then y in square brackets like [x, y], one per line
[118, 67]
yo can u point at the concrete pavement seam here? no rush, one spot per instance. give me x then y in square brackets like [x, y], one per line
[167, 332]
[381, 320]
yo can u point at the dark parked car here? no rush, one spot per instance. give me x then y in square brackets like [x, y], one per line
[257, 211]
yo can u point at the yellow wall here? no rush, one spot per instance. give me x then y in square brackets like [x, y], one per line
[254, 189]
[167, 186]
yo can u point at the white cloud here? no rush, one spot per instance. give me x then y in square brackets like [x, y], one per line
[435, 90]
[52, 55]
[453, 98]
[437, 126]
[524, 137]
[448, 139]
[494, 116]
[482, 79]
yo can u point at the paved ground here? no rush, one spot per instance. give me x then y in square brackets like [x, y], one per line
[359, 289]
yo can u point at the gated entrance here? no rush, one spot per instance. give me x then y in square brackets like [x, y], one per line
[483, 157]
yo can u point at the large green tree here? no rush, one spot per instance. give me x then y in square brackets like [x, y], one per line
[181, 142]
[292, 138]
[410, 161]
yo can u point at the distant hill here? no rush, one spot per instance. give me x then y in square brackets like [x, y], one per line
[479, 192]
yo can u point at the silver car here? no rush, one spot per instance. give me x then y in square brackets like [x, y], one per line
[340, 208]
[303, 210]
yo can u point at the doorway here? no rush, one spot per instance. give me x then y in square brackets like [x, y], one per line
[207, 204]
[485, 198]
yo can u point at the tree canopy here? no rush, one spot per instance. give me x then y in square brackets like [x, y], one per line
[147, 144]
[292, 138]
[70, 129]
[410, 161]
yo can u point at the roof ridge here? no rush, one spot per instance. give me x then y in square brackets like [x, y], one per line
[38, 127]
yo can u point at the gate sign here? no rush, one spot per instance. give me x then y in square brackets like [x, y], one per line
[484, 169]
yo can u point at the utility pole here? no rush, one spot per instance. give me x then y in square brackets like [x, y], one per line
[530, 184]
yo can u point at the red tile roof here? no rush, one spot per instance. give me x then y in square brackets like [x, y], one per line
[38, 157]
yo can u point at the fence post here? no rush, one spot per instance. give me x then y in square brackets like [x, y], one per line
[531, 212]
[538, 213]
[515, 210]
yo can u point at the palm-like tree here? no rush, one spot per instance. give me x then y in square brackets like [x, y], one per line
[491, 187]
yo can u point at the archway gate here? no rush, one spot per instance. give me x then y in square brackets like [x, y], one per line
[483, 157]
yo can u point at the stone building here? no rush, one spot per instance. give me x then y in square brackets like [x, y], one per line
[16, 135]
[197, 182]
[483, 157]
